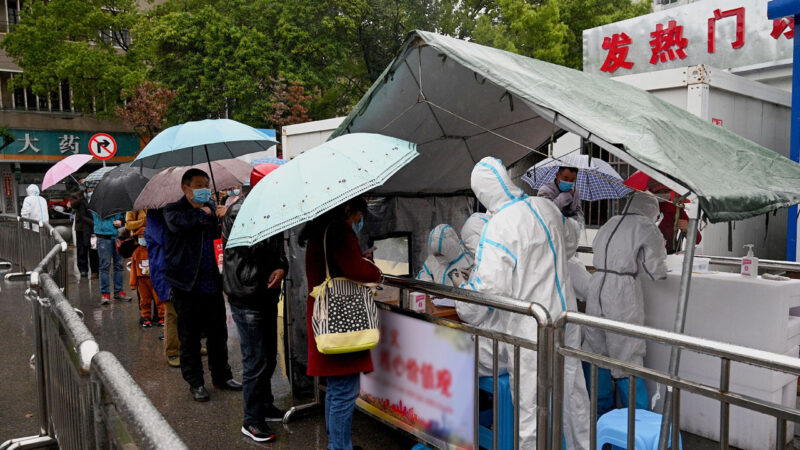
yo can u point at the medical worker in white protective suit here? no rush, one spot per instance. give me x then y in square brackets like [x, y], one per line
[477, 315]
[523, 254]
[629, 246]
[447, 259]
[34, 207]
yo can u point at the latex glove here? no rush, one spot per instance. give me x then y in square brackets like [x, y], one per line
[458, 278]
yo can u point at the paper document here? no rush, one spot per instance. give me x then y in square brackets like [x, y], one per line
[444, 302]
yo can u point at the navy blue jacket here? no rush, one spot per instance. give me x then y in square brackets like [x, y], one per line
[155, 234]
[187, 228]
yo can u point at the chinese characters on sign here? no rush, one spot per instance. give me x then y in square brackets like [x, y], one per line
[712, 27]
[29, 144]
[665, 39]
[423, 379]
[675, 37]
[423, 373]
[783, 26]
[617, 46]
[68, 143]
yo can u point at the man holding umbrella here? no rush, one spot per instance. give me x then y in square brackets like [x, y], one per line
[192, 225]
[563, 193]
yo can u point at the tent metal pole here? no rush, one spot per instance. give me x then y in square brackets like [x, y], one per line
[680, 322]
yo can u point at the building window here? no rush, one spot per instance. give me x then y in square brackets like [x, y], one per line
[13, 14]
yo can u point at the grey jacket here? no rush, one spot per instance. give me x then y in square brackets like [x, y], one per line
[568, 202]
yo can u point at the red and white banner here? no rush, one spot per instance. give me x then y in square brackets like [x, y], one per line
[423, 380]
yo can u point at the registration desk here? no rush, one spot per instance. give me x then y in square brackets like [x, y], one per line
[729, 308]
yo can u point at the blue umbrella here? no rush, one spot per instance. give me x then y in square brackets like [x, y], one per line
[316, 181]
[596, 180]
[202, 142]
[277, 161]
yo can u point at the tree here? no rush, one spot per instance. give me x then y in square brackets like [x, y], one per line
[290, 103]
[83, 42]
[579, 15]
[146, 109]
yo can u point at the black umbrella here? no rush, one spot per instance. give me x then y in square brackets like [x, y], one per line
[118, 189]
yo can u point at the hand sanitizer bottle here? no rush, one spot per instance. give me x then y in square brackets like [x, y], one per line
[750, 263]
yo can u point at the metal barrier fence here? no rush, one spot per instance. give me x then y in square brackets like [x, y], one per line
[544, 384]
[727, 353]
[86, 399]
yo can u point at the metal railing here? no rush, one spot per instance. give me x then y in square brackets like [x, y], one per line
[727, 353]
[542, 345]
[86, 399]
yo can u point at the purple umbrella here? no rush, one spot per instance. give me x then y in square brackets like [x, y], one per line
[165, 186]
[63, 169]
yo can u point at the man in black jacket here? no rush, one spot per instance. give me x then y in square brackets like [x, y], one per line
[84, 225]
[252, 280]
[196, 291]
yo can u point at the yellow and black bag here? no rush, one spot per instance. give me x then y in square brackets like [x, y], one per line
[345, 318]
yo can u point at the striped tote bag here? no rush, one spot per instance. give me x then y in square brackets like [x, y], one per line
[345, 318]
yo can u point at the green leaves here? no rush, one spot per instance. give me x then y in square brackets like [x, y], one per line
[220, 57]
[81, 42]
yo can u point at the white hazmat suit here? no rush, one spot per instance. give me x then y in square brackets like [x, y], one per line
[522, 254]
[447, 257]
[627, 247]
[34, 207]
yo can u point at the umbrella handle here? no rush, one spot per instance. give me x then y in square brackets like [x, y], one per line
[210, 170]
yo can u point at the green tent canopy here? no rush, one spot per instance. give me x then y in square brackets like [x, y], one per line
[461, 101]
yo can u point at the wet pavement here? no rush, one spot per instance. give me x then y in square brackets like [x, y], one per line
[211, 425]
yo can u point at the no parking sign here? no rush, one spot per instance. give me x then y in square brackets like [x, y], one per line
[102, 146]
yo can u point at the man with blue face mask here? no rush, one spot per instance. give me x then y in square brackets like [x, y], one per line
[563, 192]
[191, 270]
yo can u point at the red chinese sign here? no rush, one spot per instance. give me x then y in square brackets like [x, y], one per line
[668, 43]
[783, 26]
[423, 379]
[712, 27]
[664, 39]
[617, 46]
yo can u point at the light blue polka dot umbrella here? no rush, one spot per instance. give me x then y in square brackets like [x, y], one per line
[316, 181]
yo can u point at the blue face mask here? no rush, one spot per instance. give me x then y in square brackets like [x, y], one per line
[202, 195]
[565, 186]
[230, 193]
[142, 242]
[358, 226]
[237, 191]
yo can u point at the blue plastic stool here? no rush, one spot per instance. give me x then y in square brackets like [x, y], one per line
[612, 429]
[505, 431]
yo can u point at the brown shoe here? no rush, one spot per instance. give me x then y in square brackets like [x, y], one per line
[174, 361]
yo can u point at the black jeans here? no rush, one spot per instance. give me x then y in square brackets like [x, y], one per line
[200, 313]
[82, 246]
[258, 336]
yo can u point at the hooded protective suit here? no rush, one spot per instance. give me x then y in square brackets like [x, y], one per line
[447, 257]
[627, 247]
[472, 229]
[471, 235]
[34, 207]
[523, 254]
